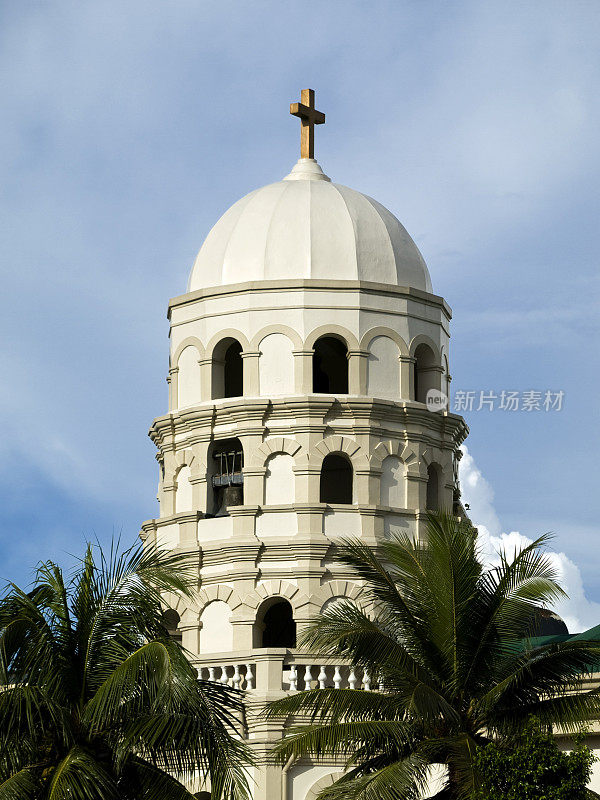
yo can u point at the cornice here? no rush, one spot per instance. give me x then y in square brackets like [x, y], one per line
[246, 416]
[260, 287]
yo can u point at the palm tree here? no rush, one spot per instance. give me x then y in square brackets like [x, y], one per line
[450, 642]
[97, 702]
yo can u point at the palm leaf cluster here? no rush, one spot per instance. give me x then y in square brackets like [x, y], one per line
[451, 644]
[96, 700]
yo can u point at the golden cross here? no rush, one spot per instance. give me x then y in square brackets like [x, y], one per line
[310, 117]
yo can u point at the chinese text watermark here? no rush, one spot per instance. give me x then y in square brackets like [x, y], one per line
[527, 400]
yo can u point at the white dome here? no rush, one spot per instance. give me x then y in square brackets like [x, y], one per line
[307, 227]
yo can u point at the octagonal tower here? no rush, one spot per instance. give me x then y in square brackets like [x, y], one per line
[301, 359]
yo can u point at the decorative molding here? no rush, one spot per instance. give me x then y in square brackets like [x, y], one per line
[221, 592]
[284, 330]
[337, 331]
[390, 333]
[189, 341]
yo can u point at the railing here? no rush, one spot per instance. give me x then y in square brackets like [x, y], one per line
[240, 676]
[298, 677]
[278, 669]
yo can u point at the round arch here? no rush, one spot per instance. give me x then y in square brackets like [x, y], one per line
[226, 333]
[373, 333]
[424, 339]
[322, 783]
[189, 341]
[284, 330]
[279, 444]
[336, 332]
[339, 444]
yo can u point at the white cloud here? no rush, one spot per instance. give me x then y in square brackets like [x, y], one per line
[577, 610]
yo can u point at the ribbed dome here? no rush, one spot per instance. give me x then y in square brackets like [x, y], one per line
[307, 227]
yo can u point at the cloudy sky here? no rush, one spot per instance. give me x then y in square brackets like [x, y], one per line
[127, 128]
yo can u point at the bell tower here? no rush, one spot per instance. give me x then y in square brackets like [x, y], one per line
[302, 358]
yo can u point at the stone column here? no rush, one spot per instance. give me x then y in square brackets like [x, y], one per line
[172, 382]
[407, 378]
[357, 371]
[205, 378]
[250, 360]
[303, 371]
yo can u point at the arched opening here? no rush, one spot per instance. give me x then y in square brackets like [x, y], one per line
[336, 479]
[171, 620]
[227, 369]
[226, 479]
[275, 625]
[330, 366]
[425, 371]
[433, 487]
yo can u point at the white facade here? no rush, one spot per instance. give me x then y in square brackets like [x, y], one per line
[300, 362]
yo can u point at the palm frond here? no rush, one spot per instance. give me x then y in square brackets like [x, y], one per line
[22, 785]
[79, 775]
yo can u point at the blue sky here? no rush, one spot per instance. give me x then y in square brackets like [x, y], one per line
[128, 128]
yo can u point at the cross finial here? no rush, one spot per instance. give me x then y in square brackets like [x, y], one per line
[310, 117]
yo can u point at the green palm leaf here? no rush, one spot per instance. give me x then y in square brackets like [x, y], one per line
[450, 643]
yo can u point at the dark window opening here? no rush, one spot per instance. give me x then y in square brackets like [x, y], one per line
[278, 626]
[336, 480]
[227, 369]
[426, 373]
[234, 371]
[330, 366]
[226, 486]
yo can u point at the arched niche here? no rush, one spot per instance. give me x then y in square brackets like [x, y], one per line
[330, 366]
[434, 487]
[216, 631]
[383, 368]
[337, 478]
[426, 372]
[275, 625]
[183, 491]
[392, 486]
[276, 365]
[279, 480]
[227, 369]
[188, 377]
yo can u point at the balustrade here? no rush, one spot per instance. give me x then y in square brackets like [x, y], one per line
[283, 670]
[236, 675]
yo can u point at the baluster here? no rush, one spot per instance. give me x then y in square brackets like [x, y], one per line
[381, 685]
[308, 676]
[237, 678]
[322, 677]
[337, 678]
[211, 674]
[366, 681]
[249, 676]
[224, 678]
[352, 678]
[293, 678]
